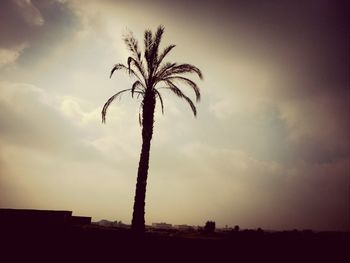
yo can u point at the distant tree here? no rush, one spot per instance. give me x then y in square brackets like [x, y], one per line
[209, 227]
[236, 228]
[151, 76]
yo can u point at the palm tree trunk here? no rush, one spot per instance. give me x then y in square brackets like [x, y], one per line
[138, 218]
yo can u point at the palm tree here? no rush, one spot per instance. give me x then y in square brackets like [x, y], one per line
[151, 75]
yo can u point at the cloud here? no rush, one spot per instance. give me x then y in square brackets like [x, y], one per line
[10, 56]
[29, 12]
[47, 151]
[24, 111]
[20, 20]
[35, 25]
[238, 188]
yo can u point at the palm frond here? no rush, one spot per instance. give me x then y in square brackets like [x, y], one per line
[116, 67]
[156, 40]
[140, 113]
[148, 39]
[153, 55]
[160, 99]
[138, 65]
[148, 43]
[164, 53]
[132, 45]
[183, 68]
[122, 66]
[180, 94]
[136, 85]
[164, 68]
[189, 82]
[109, 101]
[158, 37]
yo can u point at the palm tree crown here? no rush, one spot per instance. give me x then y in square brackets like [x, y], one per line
[151, 74]
[150, 71]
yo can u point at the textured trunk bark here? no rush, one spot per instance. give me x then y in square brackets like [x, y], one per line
[138, 218]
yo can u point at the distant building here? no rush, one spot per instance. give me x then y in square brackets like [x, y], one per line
[120, 224]
[30, 217]
[224, 229]
[116, 224]
[185, 227]
[162, 225]
[34, 217]
[105, 223]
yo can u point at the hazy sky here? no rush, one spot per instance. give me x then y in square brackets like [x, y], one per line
[270, 145]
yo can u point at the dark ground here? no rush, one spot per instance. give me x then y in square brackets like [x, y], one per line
[97, 244]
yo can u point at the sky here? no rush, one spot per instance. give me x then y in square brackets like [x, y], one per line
[269, 147]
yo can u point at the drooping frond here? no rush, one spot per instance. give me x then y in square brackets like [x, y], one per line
[109, 101]
[137, 84]
[116, 67]
[140, 113]
[122, 66]
[183, 68]
[132, 45]
[164, 68]
[180, 94]
[138, 65]
[189, 82]
[160, 99]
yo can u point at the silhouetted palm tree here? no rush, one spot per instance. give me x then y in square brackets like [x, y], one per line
[151, 75]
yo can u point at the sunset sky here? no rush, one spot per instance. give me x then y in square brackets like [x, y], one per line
[269, 147]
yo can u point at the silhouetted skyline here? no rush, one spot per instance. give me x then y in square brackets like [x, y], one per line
[269, 147]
